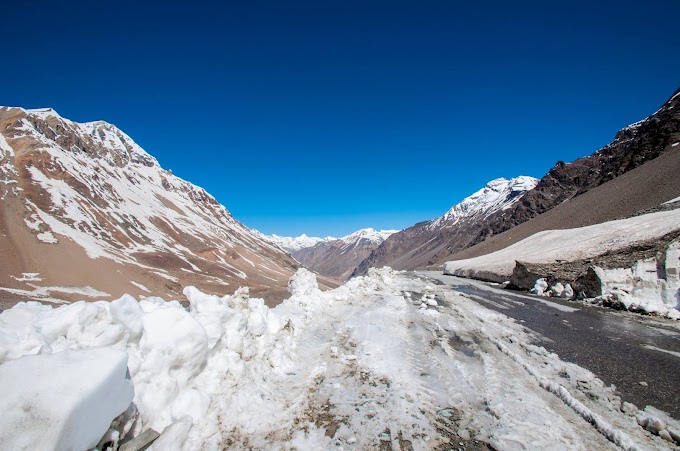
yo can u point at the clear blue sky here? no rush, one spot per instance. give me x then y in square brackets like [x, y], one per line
[328, 116]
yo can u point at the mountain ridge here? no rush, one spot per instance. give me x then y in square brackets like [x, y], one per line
[336, 258]
[90, 185]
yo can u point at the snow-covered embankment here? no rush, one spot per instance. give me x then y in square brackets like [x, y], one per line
[385, 360]
[649, 285]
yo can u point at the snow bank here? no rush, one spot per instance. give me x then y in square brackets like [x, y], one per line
[178, 358]
[644, 287]
[384, 359]
[168, 347]
[569, 244]
[65, 400]
[641, 288]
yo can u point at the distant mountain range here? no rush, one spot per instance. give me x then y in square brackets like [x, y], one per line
[86, 212]
[333, 257]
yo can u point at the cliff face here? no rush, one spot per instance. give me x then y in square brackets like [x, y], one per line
[632, 146]
[633, 173]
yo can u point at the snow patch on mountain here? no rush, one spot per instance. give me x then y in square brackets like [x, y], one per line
[292, 244]
[372, 235]
[499, 194]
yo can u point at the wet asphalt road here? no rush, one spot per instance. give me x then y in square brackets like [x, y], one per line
[613, 345]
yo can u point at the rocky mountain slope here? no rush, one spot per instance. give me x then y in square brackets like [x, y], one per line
[636, 172]
[86, 212]
[458, 227]
[336, 258]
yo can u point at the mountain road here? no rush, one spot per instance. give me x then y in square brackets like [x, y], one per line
[638, 354]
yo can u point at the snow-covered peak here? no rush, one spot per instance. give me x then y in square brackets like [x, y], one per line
[376, 236]
[498, 194]
[114, 145]
[104, 192]
[303, 241]
[292, 244]
[42, 112]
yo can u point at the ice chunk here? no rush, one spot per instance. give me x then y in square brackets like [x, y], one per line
[539, 287]
[47, 404]
[127, 312]
[303, 283]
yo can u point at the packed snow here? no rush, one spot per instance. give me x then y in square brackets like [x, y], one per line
[499, 194]
[640, 288]
[386, 360]
[61, 400]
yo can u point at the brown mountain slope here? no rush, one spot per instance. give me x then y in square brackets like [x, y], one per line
[85, 213]
[337, 258]
[414, 246]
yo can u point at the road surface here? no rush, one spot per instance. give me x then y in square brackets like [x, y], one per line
[639, 355]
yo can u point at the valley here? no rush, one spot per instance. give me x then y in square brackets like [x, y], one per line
[211, 334]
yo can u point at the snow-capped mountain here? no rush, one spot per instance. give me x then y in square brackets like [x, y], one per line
[369, 234]
[292, 244]
[499, 194]
[88, 211]
[413, 247]
[337, 257]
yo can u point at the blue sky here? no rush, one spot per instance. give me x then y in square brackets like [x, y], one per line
[325, 117]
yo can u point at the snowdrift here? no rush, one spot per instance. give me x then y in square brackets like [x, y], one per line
[384, 361]
[176, 359]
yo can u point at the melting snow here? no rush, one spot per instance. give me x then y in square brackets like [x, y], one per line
[140, 286]
[28, 277]
[47, 237]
